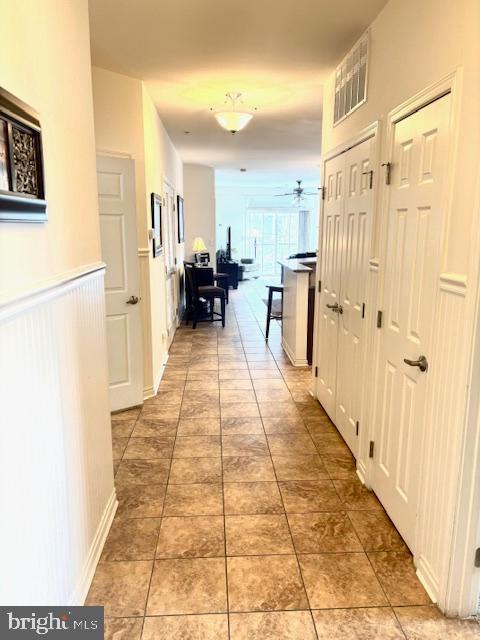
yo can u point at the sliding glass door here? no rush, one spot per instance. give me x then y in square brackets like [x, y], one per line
[270, 235]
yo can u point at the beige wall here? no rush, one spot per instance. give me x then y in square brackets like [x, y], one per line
[199, 188]
[45, 61]
[127, 123]
[414, 44]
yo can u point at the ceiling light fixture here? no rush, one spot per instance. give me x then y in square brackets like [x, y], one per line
[233, 120]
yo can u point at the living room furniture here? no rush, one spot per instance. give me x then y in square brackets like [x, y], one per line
[273, 288]
[230, 267]
[201, 297]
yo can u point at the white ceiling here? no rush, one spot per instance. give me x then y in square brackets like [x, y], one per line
[278, 53]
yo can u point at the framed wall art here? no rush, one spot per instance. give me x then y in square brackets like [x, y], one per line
[157, 244]
[22, 189]
[180, 220]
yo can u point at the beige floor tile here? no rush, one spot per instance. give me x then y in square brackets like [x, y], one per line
[122, 428]
[249, 498]
[195, 627]
[274, 625]
[230, 374]
[120, 587]
[248, 469]
[258, 535]
[195, 470]
[290, 444]
[240, 410]
[265, 374]
[131, 539]
[241, 426]
[376, 531]
[284, 425]
[131, 472]
[323, 533]
[129, 414]
[197, 447]
[357, 624]
[123, 628]
[195, 585]
[396, 573]
[273, 395]
[160, 412]
[355, 496]
[140, 501]
[152, 427]
[204, 395]
[237, 395]
[260, 384]
[193, 500]
[119, 444]
[202, 385]
[149, 448]
[200, 409]
[236, 385]
[198, 427]
[191, 537]
[427, 623]
[339, 467]
[168, 396]
[265, 583]
[299, 467]
[244, 445]
[307, 496]
[278, 409]
[340, 580]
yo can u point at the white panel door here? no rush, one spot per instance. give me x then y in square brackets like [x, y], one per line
[416, 208]
[116, 204]
[330, 276]
[169, 233]
[355, 253]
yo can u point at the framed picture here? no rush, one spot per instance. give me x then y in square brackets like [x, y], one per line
[157, 245]
[22, 191]
[180, 220]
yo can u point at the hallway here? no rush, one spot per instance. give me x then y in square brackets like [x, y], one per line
[240, 514]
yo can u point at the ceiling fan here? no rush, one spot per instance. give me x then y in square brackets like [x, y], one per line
[298, 192]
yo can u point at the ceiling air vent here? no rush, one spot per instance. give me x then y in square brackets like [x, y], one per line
[351, 80]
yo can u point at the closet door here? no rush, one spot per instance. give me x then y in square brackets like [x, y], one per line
[330, 277]
[355, 251]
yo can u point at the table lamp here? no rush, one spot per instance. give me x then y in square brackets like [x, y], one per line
[198, 245]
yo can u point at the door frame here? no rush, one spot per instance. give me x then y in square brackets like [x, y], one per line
[457, 584]
[374, 131]
[176, 290]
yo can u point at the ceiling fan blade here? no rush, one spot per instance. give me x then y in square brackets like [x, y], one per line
[281, 195]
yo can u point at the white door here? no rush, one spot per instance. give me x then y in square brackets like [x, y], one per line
[417, 201]
[169, 233]
[116, 204]
[355, 251]
[328, 318]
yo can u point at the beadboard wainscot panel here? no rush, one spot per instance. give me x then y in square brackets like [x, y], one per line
[57, 497]
[442, 444]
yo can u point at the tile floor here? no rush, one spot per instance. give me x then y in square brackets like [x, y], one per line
[240, 515]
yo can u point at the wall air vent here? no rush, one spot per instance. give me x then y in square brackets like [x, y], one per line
[351, 80]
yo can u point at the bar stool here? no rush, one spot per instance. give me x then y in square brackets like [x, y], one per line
[273, 288]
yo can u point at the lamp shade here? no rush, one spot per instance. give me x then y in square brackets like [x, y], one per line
[198, 245]
[233, 121]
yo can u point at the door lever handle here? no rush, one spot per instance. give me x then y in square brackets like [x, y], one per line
[336, 308]
[332, 306]
[133, 300]
[421, 363]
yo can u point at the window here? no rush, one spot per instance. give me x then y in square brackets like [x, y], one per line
[351, 80]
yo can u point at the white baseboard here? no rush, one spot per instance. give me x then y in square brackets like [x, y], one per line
[296, 362]
[80, 593]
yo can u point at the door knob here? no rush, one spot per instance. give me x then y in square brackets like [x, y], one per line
[336, 308]
[421, 363]
[133, 300]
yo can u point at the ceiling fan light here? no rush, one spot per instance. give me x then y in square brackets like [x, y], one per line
[233, 121]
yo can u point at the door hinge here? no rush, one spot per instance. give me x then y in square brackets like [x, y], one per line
[370, 178]
[388, 171]
[370, 451]
[357, 427]
[363, 310]
[316, 372]
[319, 286]
[477, 557]
[324, 192]
[379, 319]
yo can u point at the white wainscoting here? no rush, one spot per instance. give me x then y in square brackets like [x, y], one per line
[57, 498]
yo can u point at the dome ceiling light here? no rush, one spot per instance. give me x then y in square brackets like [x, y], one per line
[233, 119]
